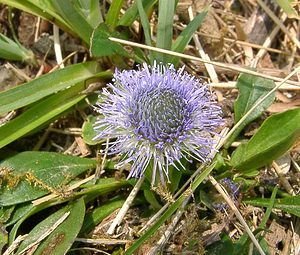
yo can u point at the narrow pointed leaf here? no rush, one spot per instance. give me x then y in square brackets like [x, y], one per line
[45, 85]
[62, 238]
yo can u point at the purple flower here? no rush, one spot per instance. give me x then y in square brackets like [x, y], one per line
[157, 115]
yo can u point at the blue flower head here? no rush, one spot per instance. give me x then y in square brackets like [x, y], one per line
[157, 114]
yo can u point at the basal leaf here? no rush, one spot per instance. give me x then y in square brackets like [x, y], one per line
[288, 204]
[276, 135]
[46, 85]
[61, 239]
[39, 173]
[40, 113]
[251, 90]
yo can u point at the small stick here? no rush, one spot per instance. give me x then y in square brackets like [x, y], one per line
[227, 66]
[102, 241]
[228, 200]
[57, 47]
[44, 235]
[255, 106]
[125, 206]
[210, 68]
[283, 180]
[170, 230]
[15, 244]
[232, 85]
[279, 23]
[72, 187]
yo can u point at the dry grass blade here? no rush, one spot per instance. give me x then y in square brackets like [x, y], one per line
[185, 56]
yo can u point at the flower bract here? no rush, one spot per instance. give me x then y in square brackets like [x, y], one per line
[157, 115]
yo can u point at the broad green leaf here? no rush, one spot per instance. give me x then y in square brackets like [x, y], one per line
[113, 13]
[93, 218]
[186, 35]
[72, 16]
[132, 12]
[276, 135]
[251, 89]
[100, 44]
[173, 207]
[39, 173]
[62, 238]
[288, 204]
[43, 112]
[46, 85]
[288, 9]
[164, 39]
[12, 51]
[88, 132]
[91, 11]
[92, 191]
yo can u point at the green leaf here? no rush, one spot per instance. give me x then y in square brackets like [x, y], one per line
[12, 51]
[132, 12]
[45, 85]
[288, 204]
[72, 16]
[113, 13]
[62, 238]
[91, 11]
[88, 132]
[92, 191]
[20, 210]
[40, 113]
[40, 173]
[224, 246]
[92, 219]
[252, 89]
[276, 135]
[166, 11]
[39, 8]
[145, 22]
[101, 46]
[186, 35]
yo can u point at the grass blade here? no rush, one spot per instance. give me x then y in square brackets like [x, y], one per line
[112, 16]
[46, 85]
[39, 114]
[166, 11]
[186, 35]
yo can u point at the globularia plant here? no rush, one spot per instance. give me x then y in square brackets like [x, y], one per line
[160, 115]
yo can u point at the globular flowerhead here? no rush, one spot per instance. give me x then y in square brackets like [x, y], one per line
[159, 115]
